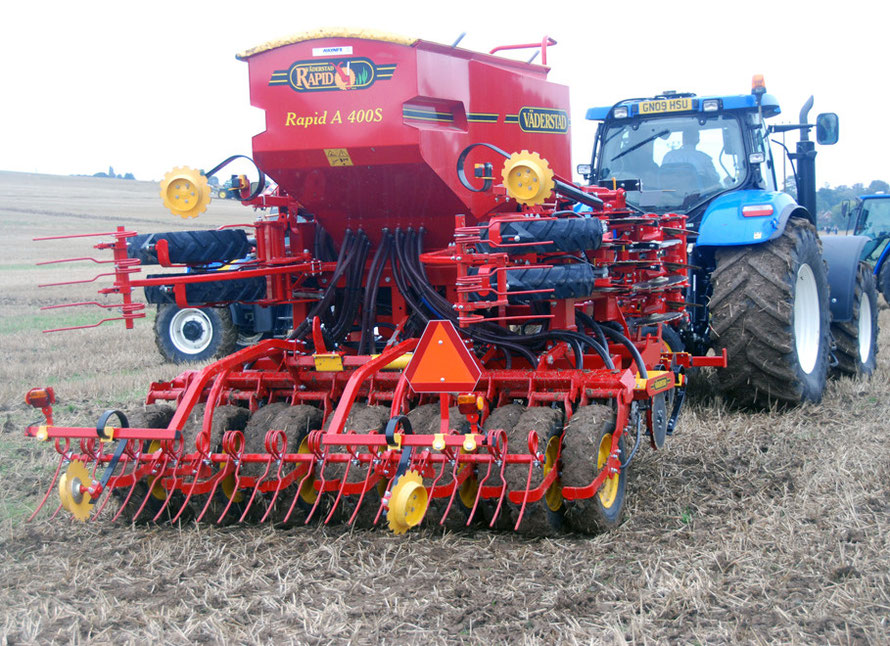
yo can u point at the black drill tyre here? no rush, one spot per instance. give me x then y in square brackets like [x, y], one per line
[580, 445]
[239, 290]
[296, 422]
[856, 350]
[563, 234]
[565, 281]
[752, 317]
[537, 519]
[191, 247]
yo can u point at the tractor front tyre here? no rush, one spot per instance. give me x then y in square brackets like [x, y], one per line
[586, 445]
[856, 340]
[769, 311]
[194, 334]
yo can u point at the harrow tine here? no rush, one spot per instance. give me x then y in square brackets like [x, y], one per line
[56, 512]
[233, 446]
[52, 485]
[217, 478]
[152, 484]
[318, 498]
[271, 504]
[384, 501]
[231, 498]
[501, 455]
[195, 469]
[256, 488]
[293, 503]
[478, 495]
[453, 490]
[343, 480]
[528, 485]
[361, 498]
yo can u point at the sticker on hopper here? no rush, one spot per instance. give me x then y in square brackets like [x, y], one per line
[338, 156]
[332, 74]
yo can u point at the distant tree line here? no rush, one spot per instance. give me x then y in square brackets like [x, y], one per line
[830, 200]
[111, 174]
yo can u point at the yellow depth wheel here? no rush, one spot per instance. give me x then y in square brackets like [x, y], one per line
[408, 501]
[185, 192]
[78, 502]
[528, 178]
[609, 490]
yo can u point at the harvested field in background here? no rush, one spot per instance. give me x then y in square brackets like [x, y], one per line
[746, 528]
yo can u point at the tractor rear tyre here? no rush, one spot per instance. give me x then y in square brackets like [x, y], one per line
[586, 444]
[856, 340]
[193, 334]
[769, 310]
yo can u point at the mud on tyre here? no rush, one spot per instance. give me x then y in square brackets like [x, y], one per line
[769, 310]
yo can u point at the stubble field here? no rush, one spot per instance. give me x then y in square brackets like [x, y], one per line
[746, 528]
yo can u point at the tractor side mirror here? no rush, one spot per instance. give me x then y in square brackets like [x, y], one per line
[827, 128]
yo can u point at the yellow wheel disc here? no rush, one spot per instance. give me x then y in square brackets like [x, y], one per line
[185, 192]
[78, 502]
[408, 501]
[609, 489]
[528, 178]
[553, 495]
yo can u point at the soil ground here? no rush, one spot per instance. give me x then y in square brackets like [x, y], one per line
[768, 527]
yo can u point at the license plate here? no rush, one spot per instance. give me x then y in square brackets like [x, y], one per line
[665, 105]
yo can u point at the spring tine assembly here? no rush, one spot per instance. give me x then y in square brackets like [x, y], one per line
[233, 446]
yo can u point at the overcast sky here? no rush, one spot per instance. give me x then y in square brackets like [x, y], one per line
[148, 86]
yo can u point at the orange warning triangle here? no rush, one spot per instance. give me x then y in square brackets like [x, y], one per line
[441, 362]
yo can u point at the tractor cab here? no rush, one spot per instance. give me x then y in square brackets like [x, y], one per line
[685, 150]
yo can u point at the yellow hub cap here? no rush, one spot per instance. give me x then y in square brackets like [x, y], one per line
[609, 490]
[527, 178]
[185, 192]
[408, 501]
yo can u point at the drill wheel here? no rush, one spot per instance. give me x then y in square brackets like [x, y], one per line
[586, 444]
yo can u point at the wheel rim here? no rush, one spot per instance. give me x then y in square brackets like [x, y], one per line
[191, 331]
[864, 328]
[806, 319]
[609, 490]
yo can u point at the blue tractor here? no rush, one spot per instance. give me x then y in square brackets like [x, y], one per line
[870, 217]
[785, 305]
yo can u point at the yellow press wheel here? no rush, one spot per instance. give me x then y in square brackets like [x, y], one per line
[74, 499]
[528, 178]
[185, 192]
[408, 500]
